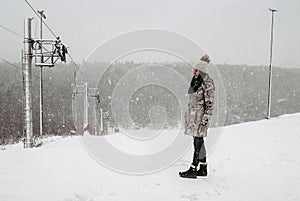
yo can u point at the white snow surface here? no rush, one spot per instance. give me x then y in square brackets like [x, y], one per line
[252, 161]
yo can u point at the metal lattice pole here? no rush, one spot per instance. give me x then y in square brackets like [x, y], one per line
[27, 73]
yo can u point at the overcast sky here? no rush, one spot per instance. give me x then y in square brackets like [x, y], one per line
[232, 31]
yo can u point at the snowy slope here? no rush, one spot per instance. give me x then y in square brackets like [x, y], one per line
[252, 161]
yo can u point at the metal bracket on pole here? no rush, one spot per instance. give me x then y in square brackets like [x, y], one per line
[47, 52]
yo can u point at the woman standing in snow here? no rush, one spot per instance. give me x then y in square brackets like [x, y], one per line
[198, 116]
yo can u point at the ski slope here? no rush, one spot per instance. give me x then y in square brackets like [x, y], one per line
[252, 161]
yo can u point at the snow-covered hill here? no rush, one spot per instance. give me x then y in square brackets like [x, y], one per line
[252, 161]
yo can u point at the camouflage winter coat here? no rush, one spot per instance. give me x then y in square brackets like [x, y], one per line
[200, 107]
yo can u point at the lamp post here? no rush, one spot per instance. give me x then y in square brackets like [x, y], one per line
[270, 66]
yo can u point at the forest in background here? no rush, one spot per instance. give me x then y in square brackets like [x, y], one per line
[246, 96]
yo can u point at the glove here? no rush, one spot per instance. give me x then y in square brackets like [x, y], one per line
[203, 130]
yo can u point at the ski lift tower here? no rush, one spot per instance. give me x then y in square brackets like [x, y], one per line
[46, 53]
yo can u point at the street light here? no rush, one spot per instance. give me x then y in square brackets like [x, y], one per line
[270, 66]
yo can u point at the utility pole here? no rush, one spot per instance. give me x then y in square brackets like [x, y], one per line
[74, 101]
[270, 66]
[42, 16]
[86, 106]
[74, 105]
[27, 83]
[96, 129]
[96, 96]
[101, 121]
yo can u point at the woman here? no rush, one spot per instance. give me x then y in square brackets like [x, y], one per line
[198, 116]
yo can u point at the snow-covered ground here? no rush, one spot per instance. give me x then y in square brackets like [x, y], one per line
[252, 161]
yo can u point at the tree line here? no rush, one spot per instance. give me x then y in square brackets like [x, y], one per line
[246, 96]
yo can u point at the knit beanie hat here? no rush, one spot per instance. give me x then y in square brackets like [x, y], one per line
[202, 64]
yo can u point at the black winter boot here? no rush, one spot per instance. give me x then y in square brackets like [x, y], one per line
[202, 172]
[190, 173]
